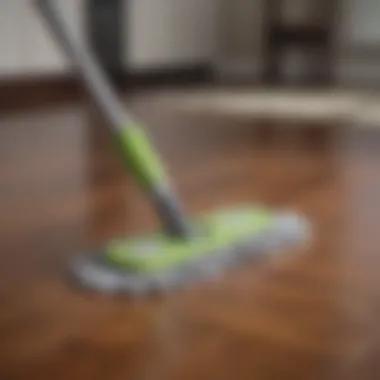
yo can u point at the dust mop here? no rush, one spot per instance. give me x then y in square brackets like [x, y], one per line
[184, 250]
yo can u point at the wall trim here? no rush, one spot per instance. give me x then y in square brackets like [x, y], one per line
[34, 91]
[170, 76]
[31, 92]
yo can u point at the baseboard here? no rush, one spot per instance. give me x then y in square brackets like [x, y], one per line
[169, 76]
[30, 92]
[26, 93]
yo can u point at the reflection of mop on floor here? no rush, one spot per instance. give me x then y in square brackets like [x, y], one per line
[184, 250]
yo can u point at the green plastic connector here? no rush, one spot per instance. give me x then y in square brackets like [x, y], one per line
[140, 157]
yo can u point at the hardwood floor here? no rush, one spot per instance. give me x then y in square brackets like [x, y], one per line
[310, 314]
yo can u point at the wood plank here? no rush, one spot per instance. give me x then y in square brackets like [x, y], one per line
[304, 315]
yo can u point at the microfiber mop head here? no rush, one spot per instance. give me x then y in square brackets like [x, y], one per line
[158, 262]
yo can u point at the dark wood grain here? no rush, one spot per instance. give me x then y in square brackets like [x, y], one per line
[310, 314]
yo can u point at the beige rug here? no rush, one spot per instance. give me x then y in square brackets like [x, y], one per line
[348, 107]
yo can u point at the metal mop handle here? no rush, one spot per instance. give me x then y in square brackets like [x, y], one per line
[135, 147]
[82, 57]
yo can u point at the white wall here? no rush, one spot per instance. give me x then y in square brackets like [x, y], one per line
[360, 31]
[167, 33]
[361, 22]
[240, 54]
[170, 32]
[159, 32]
[26, 47]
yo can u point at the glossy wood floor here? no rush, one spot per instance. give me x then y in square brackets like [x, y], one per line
[313, 313]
